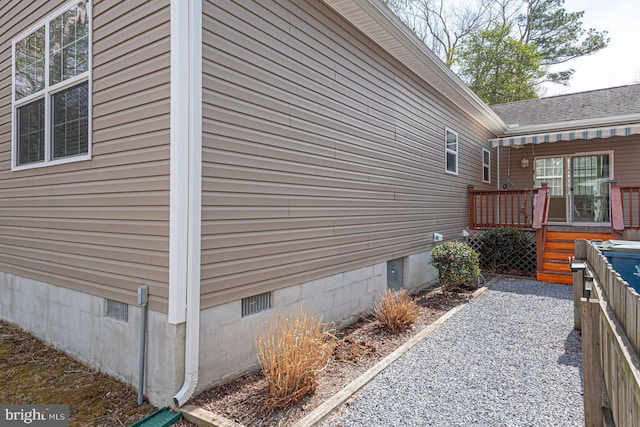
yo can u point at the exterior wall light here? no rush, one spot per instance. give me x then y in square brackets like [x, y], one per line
[588, 285]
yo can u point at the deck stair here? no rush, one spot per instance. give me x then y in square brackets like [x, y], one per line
[558, 247]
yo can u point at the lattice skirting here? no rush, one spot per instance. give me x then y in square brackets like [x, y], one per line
[522, 263]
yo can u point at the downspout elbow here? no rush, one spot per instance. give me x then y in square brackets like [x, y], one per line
[187, 390]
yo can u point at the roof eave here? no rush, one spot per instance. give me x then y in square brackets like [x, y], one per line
[381, 25]
[573, 124]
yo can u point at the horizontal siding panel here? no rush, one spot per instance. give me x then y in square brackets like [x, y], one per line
[294, 249]
[66, 186]
[137, 92]
[245, 277]
[115, 253]
[92, 200]
[142, 126]
[213, 228]
[84, 237]
[321, 153]
[94, 263]
[99, 226]
[143, 228]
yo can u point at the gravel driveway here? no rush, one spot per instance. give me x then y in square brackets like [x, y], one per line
[509, 358]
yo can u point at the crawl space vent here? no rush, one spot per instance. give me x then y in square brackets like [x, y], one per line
[117, 310]
[256, 303]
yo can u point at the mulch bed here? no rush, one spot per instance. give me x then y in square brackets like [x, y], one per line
[359, 347]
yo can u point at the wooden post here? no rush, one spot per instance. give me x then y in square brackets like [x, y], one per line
[591, 363]
[471, 207]
[580, 251]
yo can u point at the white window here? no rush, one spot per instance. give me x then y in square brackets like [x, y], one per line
[486, 165]
[451, 151]
[551, 171]
[51, 89]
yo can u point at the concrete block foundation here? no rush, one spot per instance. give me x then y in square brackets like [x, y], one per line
[76, 323]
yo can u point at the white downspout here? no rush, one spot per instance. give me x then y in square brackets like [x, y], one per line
[186, 183]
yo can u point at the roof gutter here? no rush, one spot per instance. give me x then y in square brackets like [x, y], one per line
[382, 26]
[186, 183]
[515, 130]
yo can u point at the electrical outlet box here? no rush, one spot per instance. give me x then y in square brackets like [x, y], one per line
[437, 237]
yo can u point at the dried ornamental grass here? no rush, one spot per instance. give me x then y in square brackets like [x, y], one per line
[292, 351]
[396, 310]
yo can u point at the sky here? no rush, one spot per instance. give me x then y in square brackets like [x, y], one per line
[616, 65]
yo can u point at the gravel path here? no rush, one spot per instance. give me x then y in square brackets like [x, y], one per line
[509, 358]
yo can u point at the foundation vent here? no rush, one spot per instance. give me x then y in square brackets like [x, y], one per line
[117, 310]
[256, 303]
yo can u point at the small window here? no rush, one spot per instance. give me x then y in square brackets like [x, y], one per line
[451, 152]
[51, 89]
[551, 171]
[486, 165]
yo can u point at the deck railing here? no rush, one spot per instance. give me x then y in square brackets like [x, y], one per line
[495, 208]
[625, 207]
[508, 208]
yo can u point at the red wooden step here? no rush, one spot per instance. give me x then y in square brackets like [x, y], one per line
[570, 235]
[558, 255]
[555, 277]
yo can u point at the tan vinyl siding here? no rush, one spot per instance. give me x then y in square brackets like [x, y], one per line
[321, 153]
[626, 157]
[99, 226]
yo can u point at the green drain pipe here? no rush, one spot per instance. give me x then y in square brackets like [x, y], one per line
[160, 418]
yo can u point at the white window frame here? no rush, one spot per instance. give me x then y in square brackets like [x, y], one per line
[49, 91]
[447, 150]
[486, 165]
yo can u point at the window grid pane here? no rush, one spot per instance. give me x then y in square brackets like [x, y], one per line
[29, 64]
[551, 171]
[68, 44]
[70, 121]
[451, 162]
[31, 132]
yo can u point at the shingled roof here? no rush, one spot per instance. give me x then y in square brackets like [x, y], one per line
[601, 103]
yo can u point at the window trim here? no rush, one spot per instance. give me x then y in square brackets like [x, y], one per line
[49, 91]
[486, 166]
[448, 131]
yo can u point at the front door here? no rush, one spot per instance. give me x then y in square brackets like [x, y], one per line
[589, 188]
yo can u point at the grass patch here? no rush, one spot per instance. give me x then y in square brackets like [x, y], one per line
[33, 372]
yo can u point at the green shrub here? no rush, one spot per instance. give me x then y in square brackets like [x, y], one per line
[500, 248]
[456, 264]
